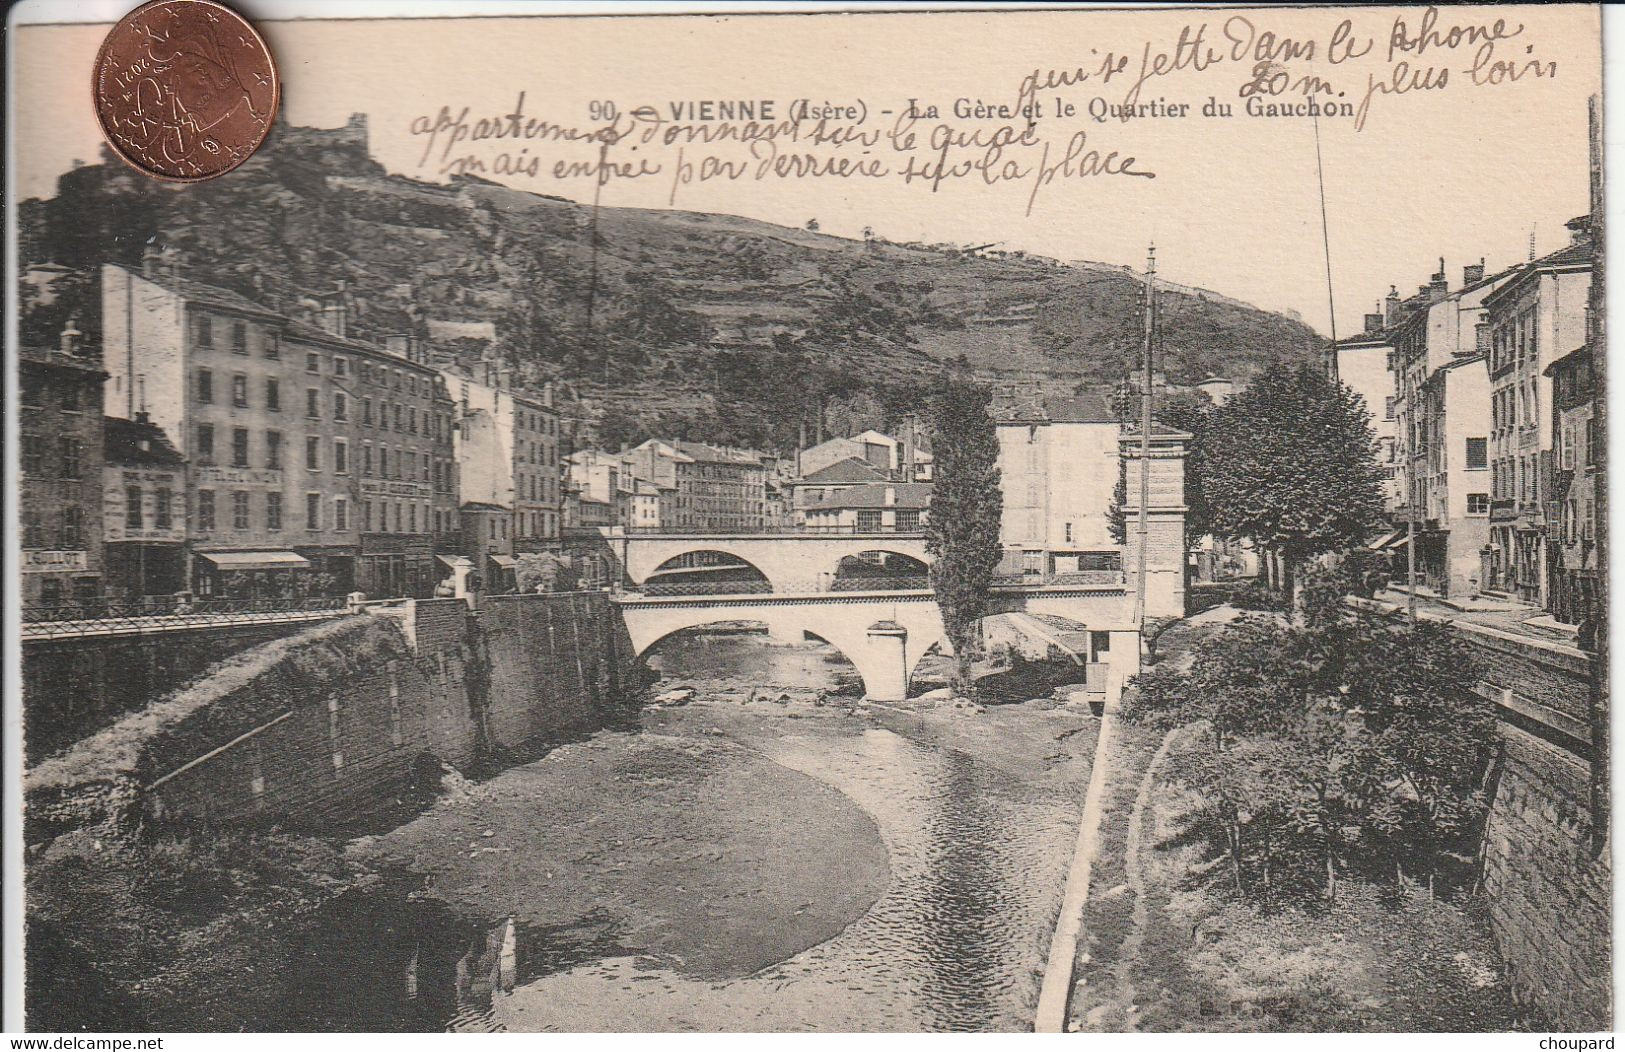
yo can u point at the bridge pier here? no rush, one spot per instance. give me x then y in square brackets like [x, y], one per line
[887, 668]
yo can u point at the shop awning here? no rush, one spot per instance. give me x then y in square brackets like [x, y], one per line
[1385, 540]
[1399, 541]
[453, 562]
[257, 560]
[507, 562]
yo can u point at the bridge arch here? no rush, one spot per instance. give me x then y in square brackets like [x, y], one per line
[879, 569]
[793, 563]
[883, 640]
[706, 571]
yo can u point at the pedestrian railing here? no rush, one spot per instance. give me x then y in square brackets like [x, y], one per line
[776, 530]
[111, 616]
[807, 586]
[1115, 578]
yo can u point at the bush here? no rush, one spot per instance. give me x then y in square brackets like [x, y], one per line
[1256, 595]
[1343, 744]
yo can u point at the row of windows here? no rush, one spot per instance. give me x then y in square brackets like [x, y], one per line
[162, 508]
[1515, 341]
[369, 372]
[1578, 445]
[536, 487]
[1516, 478]
[531, 420]
[69, 462]
[203, 337]
[1517, 405]
[239, 509]
[70, 396]
[403, 418]
[69, 533]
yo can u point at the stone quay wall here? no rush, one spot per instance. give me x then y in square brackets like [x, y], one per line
[75, 687]
[1547, 860]
[336, 721]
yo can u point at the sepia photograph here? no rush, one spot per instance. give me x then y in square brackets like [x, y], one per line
[617, 518]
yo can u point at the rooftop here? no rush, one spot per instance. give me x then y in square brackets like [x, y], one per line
[851, 471]
[909, 495]
[1087, 407]
[137, 442]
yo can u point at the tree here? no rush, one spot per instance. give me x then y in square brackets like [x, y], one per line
[1342, 743]
[962, 529]
[543, 572]
[1290, 464]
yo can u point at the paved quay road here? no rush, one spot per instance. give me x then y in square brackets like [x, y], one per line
[758, 865]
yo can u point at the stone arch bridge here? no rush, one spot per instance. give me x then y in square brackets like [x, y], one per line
[791, 562]
[885, 633]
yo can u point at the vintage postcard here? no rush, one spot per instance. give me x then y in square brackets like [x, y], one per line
[1086, 519]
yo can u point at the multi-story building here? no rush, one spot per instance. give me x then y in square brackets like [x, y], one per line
[509, 459]
[1442, 418]
[1536, 315]
[1572, 526]
[639, 504]
[1363, 364]
[1060, 458]
[143, 510]
[714, 489]
[878, 507]
[402, 455]
[60, 498]
[816, 487]
[311, 455]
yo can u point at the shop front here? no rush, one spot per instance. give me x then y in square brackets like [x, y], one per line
[395, 566]
[265, 574]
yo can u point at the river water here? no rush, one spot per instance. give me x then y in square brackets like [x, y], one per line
[977, 848]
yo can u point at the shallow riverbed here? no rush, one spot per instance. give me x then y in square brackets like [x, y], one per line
[762, 864]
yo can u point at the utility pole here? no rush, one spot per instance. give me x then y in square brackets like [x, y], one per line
[1410, 497]
[1145, 435]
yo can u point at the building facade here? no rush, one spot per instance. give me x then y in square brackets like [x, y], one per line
[311, 455]
[1060, 458]
[143, 510]
[714, 489]
[880, 507]
[508, 452]
[1537, 315]
[1364, 364]
[1572, 527]
[60, 494]
[1442, 417]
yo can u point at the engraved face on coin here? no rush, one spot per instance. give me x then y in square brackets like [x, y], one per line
[185, 89]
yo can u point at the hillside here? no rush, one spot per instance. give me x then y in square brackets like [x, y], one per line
[704, 326]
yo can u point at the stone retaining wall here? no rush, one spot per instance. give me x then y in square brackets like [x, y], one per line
[338, 720]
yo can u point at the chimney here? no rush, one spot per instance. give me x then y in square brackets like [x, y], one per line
[547, 394]
[1390, 312]
[1579, 230]
[70, 338]
[398, 344]
[335, 315]
[1373, 323]
[150, 259]
[1473, 273]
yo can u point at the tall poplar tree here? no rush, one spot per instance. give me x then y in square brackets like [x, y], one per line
[1290, 464]
[962, 528]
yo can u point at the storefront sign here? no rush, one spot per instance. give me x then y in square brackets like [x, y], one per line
[238, 476]
[54, 562]
[376, 488]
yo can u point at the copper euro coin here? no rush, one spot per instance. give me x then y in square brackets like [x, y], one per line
[185, 89]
